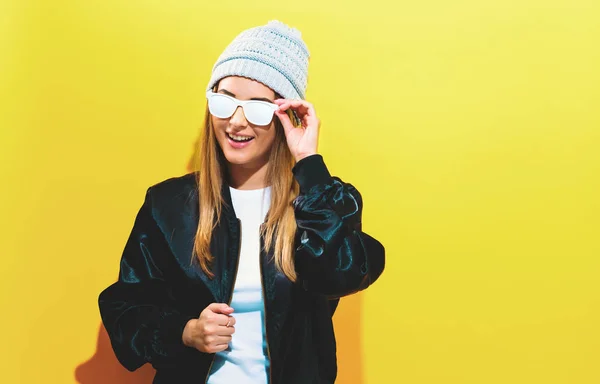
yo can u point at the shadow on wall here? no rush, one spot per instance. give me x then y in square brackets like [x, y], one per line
[103, 367]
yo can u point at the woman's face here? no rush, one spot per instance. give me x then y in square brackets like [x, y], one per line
[231, 133]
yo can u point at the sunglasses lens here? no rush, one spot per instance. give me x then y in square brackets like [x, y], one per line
[259, 112]
[221, 106]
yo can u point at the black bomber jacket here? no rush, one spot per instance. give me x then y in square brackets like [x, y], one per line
[160, 288]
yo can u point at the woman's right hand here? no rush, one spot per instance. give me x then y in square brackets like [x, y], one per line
[211, 332]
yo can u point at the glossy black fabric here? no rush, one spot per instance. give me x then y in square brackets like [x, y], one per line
[161, 287]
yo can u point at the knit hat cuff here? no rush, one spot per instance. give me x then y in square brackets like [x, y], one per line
[255, 70]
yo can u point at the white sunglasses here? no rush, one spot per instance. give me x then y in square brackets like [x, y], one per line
[224, 106]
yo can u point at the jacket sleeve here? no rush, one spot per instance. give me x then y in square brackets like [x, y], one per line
[333, 257]
[136, 311]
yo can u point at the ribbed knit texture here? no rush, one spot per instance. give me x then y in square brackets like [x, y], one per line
[273, 54]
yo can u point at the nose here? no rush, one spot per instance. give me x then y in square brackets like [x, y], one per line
[238, 119]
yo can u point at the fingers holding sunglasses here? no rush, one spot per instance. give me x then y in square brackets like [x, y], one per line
[288, 126]
[303, 109]
[303, 140]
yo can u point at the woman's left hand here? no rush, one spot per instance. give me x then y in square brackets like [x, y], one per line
[302, 140]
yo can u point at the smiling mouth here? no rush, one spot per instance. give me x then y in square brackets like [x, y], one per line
[239, 139]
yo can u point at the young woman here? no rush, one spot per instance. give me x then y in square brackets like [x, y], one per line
[232, 274]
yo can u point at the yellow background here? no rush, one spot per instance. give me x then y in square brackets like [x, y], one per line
[472, 129]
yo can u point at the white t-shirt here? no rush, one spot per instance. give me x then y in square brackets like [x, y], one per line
[246, 360]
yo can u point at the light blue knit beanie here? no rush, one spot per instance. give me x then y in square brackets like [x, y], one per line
[273, 54]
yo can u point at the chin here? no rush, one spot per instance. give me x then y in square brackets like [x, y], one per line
[238, 158]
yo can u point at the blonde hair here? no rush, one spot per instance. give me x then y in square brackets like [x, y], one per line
[280, 227]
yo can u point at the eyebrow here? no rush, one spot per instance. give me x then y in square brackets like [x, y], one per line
[223, 90]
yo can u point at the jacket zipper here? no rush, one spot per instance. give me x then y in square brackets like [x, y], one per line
[237, 265]
[270, 378]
